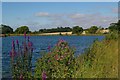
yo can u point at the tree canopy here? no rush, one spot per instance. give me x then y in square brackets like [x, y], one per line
[22, 29]
[115, 26]
[77, 30]
[58, 29]
[93, 29]
[4, 29]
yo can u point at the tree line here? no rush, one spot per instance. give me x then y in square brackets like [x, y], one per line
[5, 29]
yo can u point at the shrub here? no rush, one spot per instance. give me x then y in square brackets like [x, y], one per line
[21, 59]
[57, 63]
[112, 35]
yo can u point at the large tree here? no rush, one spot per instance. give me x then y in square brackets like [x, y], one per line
[93, 29]
[22, 29]
[115, 27]
[77, 30]
[4, 29]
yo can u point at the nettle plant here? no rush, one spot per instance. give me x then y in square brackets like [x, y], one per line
[21, 57]
[57, 63]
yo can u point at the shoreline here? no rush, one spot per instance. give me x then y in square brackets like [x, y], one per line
[52, 34]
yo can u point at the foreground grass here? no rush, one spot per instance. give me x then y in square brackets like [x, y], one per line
[99, 61]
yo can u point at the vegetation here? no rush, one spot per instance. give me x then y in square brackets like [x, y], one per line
[77, 30]
[57, 63]
[58, 29]
[99, 61]
[115, 27]
[22, 29]
[4, 29]
[93, 29]
[21, 56]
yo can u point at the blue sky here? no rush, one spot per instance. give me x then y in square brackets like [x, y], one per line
[60, 0]
[39, 15]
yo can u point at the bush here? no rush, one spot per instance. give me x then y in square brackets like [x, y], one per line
[93, 29]
[21, 59]
[57, 63]
[112, 35]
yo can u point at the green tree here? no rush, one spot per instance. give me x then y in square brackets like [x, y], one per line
[4, 29]
[93, 29]
[22, 29]
[58, 29]
[77, 30]
[115, 27]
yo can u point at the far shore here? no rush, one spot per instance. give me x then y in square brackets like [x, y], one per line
[51, 34]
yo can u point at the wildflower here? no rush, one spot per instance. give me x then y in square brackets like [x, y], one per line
[61, 40]
[30, 44]
[57, 50]
[66, 47]
[61, 56]
[17, 42]
[66, 53]
[13, 44]
[10, 53]
[60, 59]
[44, 75]
[28, 38]
[68, 62]
[25, 35]
[56, 57]
[13, 53]
[21, 77]
[49, 48]
[48, 60]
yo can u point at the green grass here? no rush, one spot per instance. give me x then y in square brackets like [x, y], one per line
[99, 61]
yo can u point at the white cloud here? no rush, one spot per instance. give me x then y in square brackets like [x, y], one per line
[77, 15]
[93, 19]
[69, 20]
[42, 14]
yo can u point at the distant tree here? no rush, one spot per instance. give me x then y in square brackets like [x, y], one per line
[77, 30]
[115, 26]
[4, 29]
[106, 28]
[22, 29]
[102, 28]
[93, 29]
[60, 33]
[58, 29]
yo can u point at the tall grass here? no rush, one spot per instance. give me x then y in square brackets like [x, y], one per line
[100, 60]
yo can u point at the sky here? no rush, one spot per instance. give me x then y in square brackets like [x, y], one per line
[39, 15]
[59, 0]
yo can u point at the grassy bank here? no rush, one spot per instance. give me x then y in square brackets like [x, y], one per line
[99, 61]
